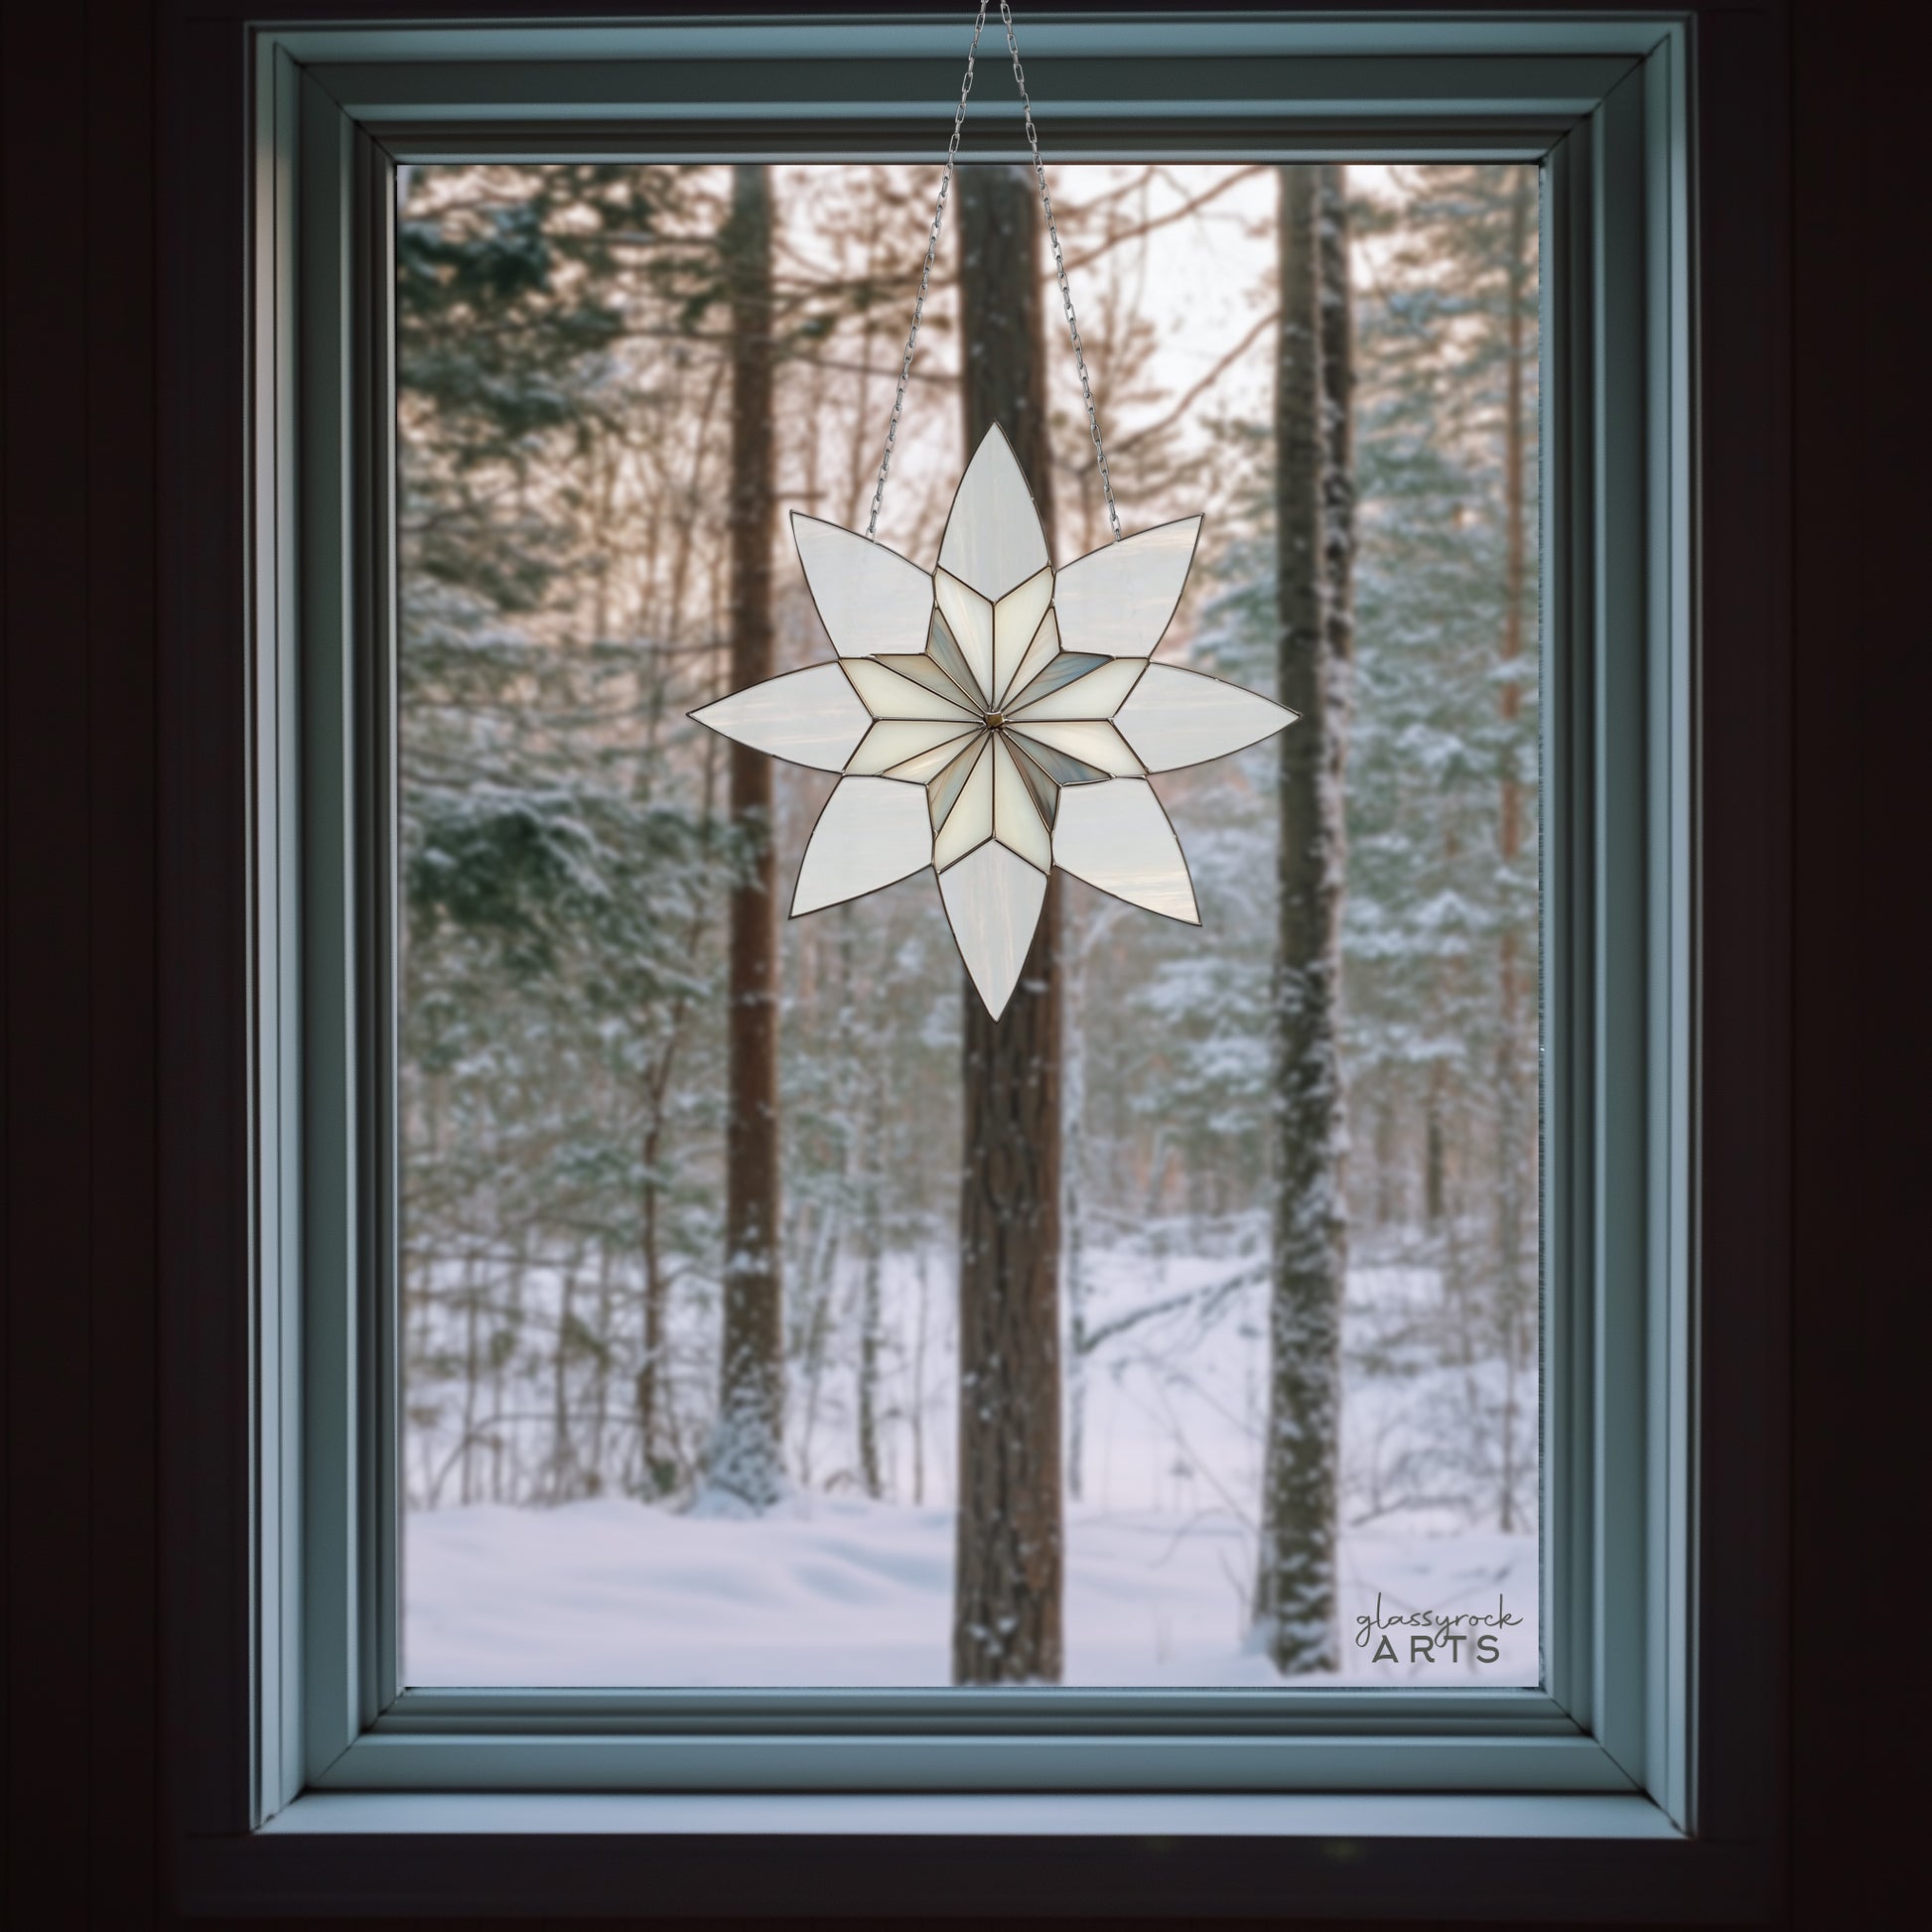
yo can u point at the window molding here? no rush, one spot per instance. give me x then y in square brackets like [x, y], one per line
[1604, 104]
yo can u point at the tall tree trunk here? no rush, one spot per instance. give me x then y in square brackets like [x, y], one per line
[1386, 1176]
[1294, 1589]
[746, 1457]
[1074, 1080]
[1435, 1153]
[918, 1370]
[655, 1474]
[599, 1373]
[1007, 1589]
[563, 1452]
[1512, 1149]
[871, 1291]
[470, 1295]
[659, 1453]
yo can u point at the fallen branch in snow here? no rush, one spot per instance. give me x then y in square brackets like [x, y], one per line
[1208, 1300]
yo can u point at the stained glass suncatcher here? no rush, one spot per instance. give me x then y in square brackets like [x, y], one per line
[995, 718]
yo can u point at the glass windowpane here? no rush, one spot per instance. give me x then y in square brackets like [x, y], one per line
[575, 868]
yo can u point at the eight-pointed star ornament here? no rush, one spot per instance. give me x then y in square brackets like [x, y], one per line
[994, 718]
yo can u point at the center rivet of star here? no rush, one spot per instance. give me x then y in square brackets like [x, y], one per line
[994, 720]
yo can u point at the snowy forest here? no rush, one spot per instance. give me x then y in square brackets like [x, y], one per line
[768, 1314]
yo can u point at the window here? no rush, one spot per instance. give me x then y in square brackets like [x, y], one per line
[569, 857]
[367, 1367]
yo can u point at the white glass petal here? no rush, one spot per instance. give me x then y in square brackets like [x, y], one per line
[1099, 694]
[1119, 600]
[1091, 739]
[924, 766]
[1116, 837]
[1175, 718]
[871, 833]
[993, 898]
[812, 717]
[1045, 647]
[969, 616]
[993, 538]
[869, 598]
[1017, 822]
[970, 822]
[1016, 623]
[891, 741]
[888, 695]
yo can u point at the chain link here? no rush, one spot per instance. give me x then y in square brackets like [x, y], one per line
[933, 248]
[1060, 268]
[925, 274]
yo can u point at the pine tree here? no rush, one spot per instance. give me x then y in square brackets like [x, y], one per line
[1441, 915]
[1008, 1576]
[747, 1456]
[1295, 1596]
[556, 890]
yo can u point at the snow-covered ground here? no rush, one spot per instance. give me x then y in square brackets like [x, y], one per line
[837, 1590]
[840, 1591]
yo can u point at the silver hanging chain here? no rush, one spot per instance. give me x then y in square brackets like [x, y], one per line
[932, 247]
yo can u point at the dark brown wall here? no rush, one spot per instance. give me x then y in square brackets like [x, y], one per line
[119, 997]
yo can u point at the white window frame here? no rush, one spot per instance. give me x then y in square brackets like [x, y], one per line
[1598, 1766]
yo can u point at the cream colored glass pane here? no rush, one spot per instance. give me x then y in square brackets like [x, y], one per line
[943, 792]
[1062, 670]
[1016, 623]
[869, 598]
[1119, 600]
[968, 618]
[1046, 793]
[888, 695]
[891, 743]
[927, 671]
[871, 833]
[1097, 695]
[1092, 740]
[1045, 647]
[1056, 763]
[1176, 718]
[1115, 836]
[993, 899]
[812, 717]
[1017, 822]
[993, 538]
[926, 765]
[969, 821]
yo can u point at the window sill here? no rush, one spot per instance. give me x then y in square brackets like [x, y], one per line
[1247, 1814]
